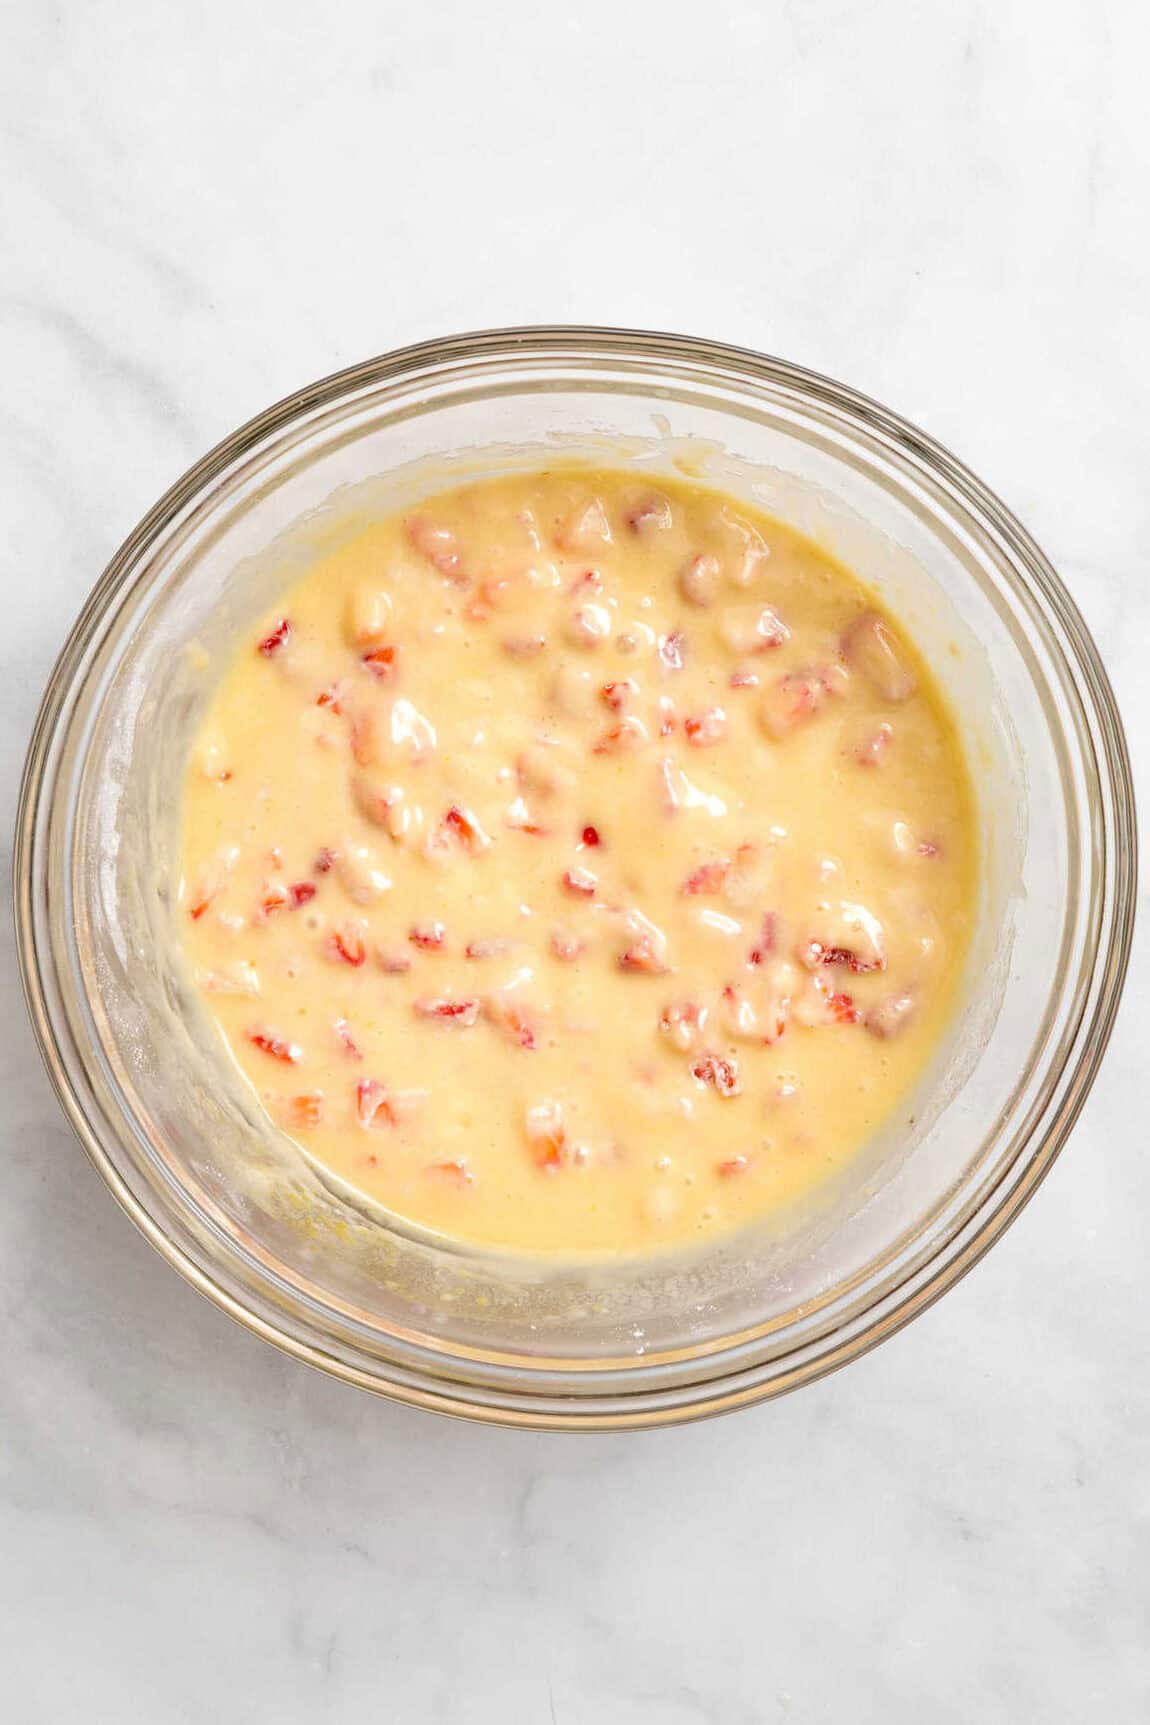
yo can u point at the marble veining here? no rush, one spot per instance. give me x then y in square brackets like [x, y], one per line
[208, 205]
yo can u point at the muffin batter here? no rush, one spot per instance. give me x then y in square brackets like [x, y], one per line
[577, 862]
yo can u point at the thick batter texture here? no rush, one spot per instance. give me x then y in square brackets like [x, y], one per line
[575, 862]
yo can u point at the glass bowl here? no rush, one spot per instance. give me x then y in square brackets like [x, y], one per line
[608, 1343]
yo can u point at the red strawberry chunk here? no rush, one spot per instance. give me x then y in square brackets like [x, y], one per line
[430, 936]
[672, 650]
[591, 837]
[305, 1110]
[276, 1046]
[720, 1074]
[381, 662]
[301, 892]
[347, 944]
[351, 1046]
[461, 1012]
[709, 878]
[276, 639]
[733, 1165]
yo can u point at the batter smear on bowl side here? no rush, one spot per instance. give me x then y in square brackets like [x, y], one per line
[578, 862]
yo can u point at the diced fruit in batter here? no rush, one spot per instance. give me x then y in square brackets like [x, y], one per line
[588, 625]
[359, 872]
[672, 650]
[377, 1105]
[627, 734]
[891, 1014]
[304, 1110]
[512, 1017]
[276, 638]
[703, 730]
[277, 1047]
[585, 529]
[346, 944]
[683, 1024]
[708, 879]
[620, 694]
[463, 1013]
[566, 946]
[650, 515]
[367, 616]
[871, 748]
[870, 647]
[700, 579]
[429, 936]
[849, 937]
[346, 1039]
[464, 829]
[437, 544]
[581, 882]
[382, 662]
[720, 1074]
[547, 1135]
[732, 1165]
[238, 978]
[748, 629]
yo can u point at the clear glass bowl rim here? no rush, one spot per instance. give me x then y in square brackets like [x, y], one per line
[906, 1289]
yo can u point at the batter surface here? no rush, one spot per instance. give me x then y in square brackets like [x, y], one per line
[575, 862]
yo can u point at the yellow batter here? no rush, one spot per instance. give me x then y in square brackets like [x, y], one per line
[575, 863]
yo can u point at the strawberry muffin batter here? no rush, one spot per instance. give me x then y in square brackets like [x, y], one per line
[575, 862]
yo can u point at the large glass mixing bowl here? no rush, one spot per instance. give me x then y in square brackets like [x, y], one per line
[244, 1217]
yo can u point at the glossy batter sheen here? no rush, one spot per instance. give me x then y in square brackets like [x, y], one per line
[577, 863]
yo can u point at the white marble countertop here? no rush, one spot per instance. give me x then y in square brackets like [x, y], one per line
[208, 204]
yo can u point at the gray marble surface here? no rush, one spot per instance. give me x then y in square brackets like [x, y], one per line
[207, 204]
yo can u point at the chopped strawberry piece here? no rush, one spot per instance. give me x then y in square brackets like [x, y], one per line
[324, 861]
[581, 881]
[871, 752]
[708, 879]
[305, 1110]
[733, 1165]
[566, 946]
[624, 735]
[490, 948]
[275, 1046]
[330, 697]
[546, 1135]
[891, 1015]
[616, 695]
[351, 1046]
[438, 545]
[347, 944]
[682, 1022]
[743, 679]
[275, 898]
[842, 958]
[652, 513]
[511, 1018]
[465, 830]
[590, 581]
[666, 715]
[518, 818]
[200, 901]
[768, 939]
[591, 837]
[428, 935]
[461, 1012]
[842, 1008]
[672, 650]
[722, 1075]
[301, 892]
[928, 848]
[644, 958]
[381, 662]
[705, 729]
[373, 1104]
[275, 640]
[870, 645]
